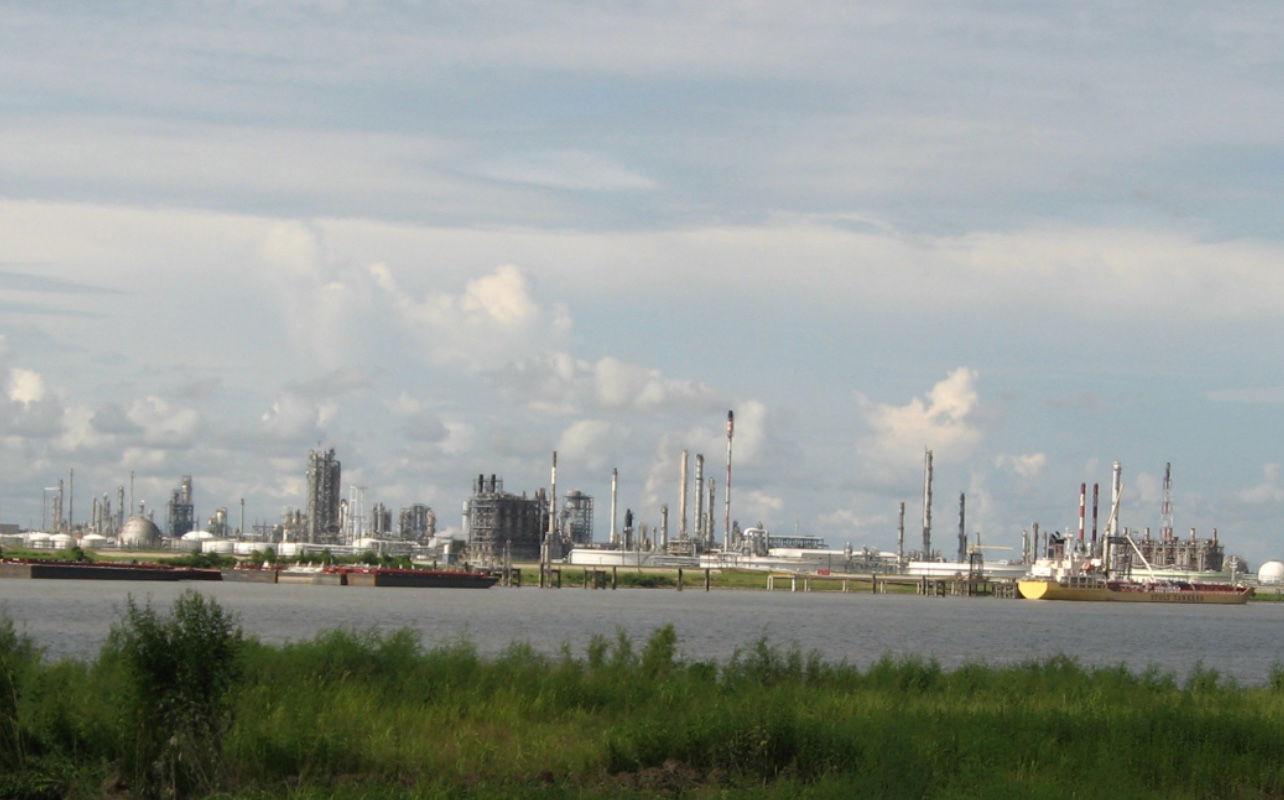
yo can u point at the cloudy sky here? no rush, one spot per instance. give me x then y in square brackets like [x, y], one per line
[447, 239]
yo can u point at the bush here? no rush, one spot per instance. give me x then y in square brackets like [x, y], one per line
[181, 671]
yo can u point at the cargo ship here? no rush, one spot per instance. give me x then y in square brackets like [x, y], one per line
[1096, 587]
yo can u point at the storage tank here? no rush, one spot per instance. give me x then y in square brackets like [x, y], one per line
[139, 533]
[61, 541]
[219, 546]
[93, 541]
[37, 540]
[1271, 572]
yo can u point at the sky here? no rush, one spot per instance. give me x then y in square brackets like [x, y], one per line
[448, 239]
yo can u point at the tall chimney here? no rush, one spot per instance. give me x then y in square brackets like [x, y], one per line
[711, 529]
[900, 538]
[1083, 504]
[699, 490]
[1094, 516]
[726, 511]
[927, 505]
[682, 496]
[615, 479]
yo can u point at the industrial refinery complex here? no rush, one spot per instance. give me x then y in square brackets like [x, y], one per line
[500, 527]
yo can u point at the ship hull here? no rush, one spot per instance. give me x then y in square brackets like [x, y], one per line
[73, 570]
[421, 579]
[1134, 592]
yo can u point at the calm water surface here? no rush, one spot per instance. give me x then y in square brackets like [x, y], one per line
[71, 618]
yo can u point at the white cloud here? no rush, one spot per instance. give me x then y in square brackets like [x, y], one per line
[29, 410]
[1024, 466]
[1270, 490]
[294, 248]
[293, 417]
[589, 443]
[620, 385]
[25, 386]
[165, 425]
[945, 421]
[494, 320]
[568, 169]
[752, 507]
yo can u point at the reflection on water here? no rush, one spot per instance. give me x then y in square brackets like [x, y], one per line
[72, 618]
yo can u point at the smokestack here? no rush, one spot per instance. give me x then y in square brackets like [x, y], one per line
[552, 505]
[927, 505]
[664, 527]
[682, 497]
[615, 479]
[1116, 490]
[1094, 516]
[1166, 507]
[710, 528]
[726, 511]
[1083, 504]
[962, 529]
[699, 490]
[900, 538]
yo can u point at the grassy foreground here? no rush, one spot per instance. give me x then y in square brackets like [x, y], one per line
[182, 705]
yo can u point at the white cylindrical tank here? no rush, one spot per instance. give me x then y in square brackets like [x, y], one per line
[93, 541]
[287, 549]
[220, 546]
[37, 540]
[61, 541]
[1271, 572]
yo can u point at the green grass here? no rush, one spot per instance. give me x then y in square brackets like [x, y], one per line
[363, 714]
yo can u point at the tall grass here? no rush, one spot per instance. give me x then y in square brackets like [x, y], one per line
[364, 714]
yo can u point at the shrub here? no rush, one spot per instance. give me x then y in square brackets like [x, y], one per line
[181, 671]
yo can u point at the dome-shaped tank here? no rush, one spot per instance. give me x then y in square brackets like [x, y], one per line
[139, 533]
[1271, 572]
[37, 540]
[61, 541]
[198, 536]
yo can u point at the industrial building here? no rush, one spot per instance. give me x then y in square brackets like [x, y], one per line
[576, 518]
[181, 513]
[418, 523]
[323, 518]
[500, 525]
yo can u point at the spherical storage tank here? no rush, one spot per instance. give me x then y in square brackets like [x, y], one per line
[139, 533]
[1271, 572]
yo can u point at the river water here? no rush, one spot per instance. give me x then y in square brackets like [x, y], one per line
[72, 619]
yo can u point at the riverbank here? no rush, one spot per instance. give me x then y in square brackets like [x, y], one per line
[352, 714]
